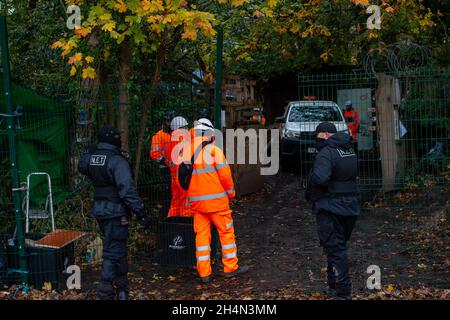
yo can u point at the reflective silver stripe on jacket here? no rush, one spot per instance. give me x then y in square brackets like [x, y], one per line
[208, 169]
[155, 148]
[220, 166]
[229, 225]
[208, 197]
[230, 191]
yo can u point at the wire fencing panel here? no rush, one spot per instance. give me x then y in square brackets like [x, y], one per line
[403, 149]
[57, 124]
[403, 171]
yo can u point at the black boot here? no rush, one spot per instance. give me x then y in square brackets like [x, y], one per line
[237, 272]
[122, 294]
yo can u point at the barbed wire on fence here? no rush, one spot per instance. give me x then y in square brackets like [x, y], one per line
[399, 57]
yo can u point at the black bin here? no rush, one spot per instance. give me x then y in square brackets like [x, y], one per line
[175, 242]
[44, 264]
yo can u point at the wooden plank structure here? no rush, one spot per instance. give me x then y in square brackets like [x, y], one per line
[241, 111]
[59, 238]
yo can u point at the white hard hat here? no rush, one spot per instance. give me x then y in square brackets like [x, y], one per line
[203, 124]
[177, 123]
[348, 103]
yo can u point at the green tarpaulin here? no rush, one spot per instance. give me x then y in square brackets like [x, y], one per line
[43, 143]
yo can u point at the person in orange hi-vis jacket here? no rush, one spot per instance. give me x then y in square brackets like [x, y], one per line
[210, 189]
[158, 153]
[179, 206]
[352, 119]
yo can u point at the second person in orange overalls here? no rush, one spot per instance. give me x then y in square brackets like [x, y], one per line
[209, 192]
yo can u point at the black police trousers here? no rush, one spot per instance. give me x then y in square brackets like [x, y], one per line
[334, 232]
[115, 266]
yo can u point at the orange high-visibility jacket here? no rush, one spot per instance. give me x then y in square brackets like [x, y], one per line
[352, 119]
[160, 142]
[211, 183]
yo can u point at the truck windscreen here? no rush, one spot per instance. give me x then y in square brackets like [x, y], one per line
[314, 113]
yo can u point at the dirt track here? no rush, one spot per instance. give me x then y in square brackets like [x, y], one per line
[277, 238]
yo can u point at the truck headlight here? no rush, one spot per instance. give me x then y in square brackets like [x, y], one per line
[286, 133]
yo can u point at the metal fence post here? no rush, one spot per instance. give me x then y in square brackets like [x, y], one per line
[12, 148]
[218, 89]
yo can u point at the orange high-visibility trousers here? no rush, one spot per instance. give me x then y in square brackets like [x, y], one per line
[224, 225]
[179, 205]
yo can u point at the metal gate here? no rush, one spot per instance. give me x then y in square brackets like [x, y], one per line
[403, 170]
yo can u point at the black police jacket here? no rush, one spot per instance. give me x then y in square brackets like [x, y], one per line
[115, 194]
[331, 184]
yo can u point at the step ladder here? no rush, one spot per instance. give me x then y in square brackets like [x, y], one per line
[38, 214]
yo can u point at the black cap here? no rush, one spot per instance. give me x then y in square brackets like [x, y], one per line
[169, 115]
[203, 113]
[325, 127]
[110, 134]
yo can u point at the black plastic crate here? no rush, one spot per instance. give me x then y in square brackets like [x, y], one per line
[44, 264]
[175, 242]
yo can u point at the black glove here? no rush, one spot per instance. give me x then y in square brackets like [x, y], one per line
[125, 154]
[143, 220]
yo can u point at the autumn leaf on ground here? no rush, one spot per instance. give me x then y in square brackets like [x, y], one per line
[47, 286]
[390, 289]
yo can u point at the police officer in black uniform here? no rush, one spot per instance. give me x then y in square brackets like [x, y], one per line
[115, 195]
[332, 189]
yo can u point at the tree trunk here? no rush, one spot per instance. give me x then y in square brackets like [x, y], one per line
[160, 59]
[106, 96]
[124, 77]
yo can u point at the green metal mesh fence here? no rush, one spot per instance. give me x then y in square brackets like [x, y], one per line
[51, 133]
[403, 149]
